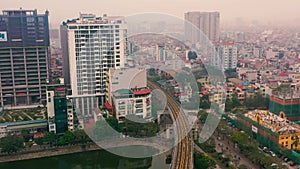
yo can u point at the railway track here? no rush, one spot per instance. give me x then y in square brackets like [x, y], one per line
[182, 157]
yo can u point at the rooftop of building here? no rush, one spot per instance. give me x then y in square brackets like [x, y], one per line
[122, 92]
[129, 93]
[23, 123]
[93, 19]
[22, 12]
[274, 122]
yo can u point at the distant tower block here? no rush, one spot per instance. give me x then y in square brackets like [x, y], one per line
[161, 53]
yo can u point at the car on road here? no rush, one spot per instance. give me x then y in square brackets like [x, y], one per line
[291, 163]
[265, 149]
[272, 153]
[279, 155]
[274, 165]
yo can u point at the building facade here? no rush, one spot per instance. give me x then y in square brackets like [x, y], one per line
[225, 55]
[287, 134]
[290, 105]
[94, 44]
[161, 53]
[125, 78]
[24, 51]
[60, 110]
[127, 93]
[136, 101]
[207, 22]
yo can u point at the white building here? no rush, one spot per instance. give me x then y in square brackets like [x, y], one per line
[94, 44]
[127, 93]
[136, 101]
[125, 78]
[225, 55]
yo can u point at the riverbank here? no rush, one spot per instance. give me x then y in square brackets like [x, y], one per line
[47, 152]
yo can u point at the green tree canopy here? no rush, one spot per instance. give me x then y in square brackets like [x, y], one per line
[11, 144]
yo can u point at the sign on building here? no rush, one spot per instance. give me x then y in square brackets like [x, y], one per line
[254, 129]
[3, 36]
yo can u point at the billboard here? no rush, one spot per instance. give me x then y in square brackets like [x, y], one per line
[3, 36]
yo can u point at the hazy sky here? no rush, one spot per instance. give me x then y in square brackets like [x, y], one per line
[261, 10]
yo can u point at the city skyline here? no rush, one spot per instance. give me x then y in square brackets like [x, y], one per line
[205, 84]
[266, 11]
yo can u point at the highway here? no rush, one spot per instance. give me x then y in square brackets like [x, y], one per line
[182, 157]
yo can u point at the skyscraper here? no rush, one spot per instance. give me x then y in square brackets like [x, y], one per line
[24, 49]
[207, 22]
[93, 45]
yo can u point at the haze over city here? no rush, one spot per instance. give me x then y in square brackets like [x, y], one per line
[264, 11]
[158, 84]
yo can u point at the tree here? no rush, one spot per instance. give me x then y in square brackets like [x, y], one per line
[26, 135]
[140, 127]
[39, 141]
[228, 105]
[204, 102]
[11, 144]
[236, 102]
[202, 161]
[202, 115]
[258, 101]
[50, 138]
[113, 122]
[151, 129]
[61, 141]
[68, 138]
[81, 137]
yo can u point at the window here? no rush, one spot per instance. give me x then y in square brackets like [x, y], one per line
[49, 100]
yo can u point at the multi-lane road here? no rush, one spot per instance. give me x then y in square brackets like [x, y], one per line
[182, 157]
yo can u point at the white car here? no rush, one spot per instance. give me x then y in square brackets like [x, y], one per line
[272, 154]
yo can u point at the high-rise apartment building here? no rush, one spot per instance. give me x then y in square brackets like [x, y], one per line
[161, 53]
[224, 55]
[93, 45]
[24, 49]
[207, 22]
